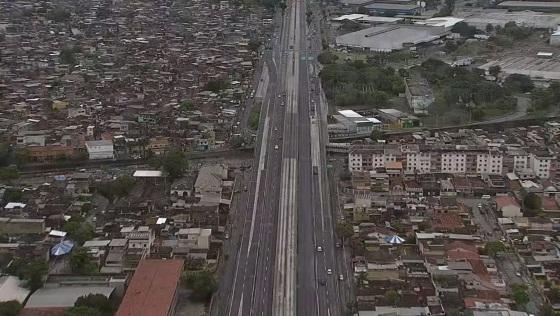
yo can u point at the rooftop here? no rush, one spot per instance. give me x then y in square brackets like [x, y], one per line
[387, 38]
[64, 296]
[152, 289]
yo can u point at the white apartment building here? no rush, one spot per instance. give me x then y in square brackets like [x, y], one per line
[453, 162]
[418, 162]
[541, 165]
[522, 164]
[489, 163]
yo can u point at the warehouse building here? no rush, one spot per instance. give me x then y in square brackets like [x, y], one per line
[499, 17]
[388, 38]
[350, 122]
[536, 68]
[543, 6]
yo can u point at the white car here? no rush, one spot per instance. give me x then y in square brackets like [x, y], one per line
[341, 277]
[319, 249]
[329, 271]
[276, 147]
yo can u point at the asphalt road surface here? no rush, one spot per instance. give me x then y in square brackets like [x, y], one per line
[273, 266]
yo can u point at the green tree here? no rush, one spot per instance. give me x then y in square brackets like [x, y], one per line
[12, 195]
[174, 163]
[392, 297]
[464, 29]
[186, 105]
[494, 70]
[78, 230]
[68, 56]
[216, 85]
[34, 272]
[327, 57]
[10, 308]
[97, 301]
[519, 83]
[254, 118]
[376, 134]
[532, 201]
[8, 173]
[83, 311]
[344, 230]
[254, 45]
[519, 294]
[80, 262]
[58, 14]
[203, 283]
[494, 247]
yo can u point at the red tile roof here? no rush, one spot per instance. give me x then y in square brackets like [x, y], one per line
[152, 289]
[505, 200]
[448, 221]
[549, 203]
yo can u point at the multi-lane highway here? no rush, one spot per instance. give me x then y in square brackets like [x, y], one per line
[274, 266]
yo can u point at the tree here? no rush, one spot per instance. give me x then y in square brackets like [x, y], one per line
[12, 195]
[34, 272]
[519, 83]
[344, 230]
[519, 294]
[8, 173]
[174, 163]
[327, 57]
[494, 71]
[67, 56]
[10, 308]
[186, 105]
[282, 5]
[254, 45]
[376, 135]
[58, 14]
[464, 29]
[494, 247]
[203, 283]
[83, 311]
[80, 262]
[97, 301]
[532, 201]
[216, 85]
[489, 28]
[392, 297]
[78, 230]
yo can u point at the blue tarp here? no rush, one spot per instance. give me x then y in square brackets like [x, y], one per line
[62, 248]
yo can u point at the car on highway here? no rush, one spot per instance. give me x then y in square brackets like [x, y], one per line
[341, 277]
[319, 249]
[329, 271]
[276, 147]
[226, 235]
[338, 245]
[276, 129]
[323, 282]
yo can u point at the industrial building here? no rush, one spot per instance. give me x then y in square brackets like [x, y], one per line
[544, 6]
[392, 9]
[536, 68]
[388, 38]
[499, 17]
[398, 119]
[350, 122]
[418, 94]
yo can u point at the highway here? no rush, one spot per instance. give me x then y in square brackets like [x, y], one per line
[273, 266]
